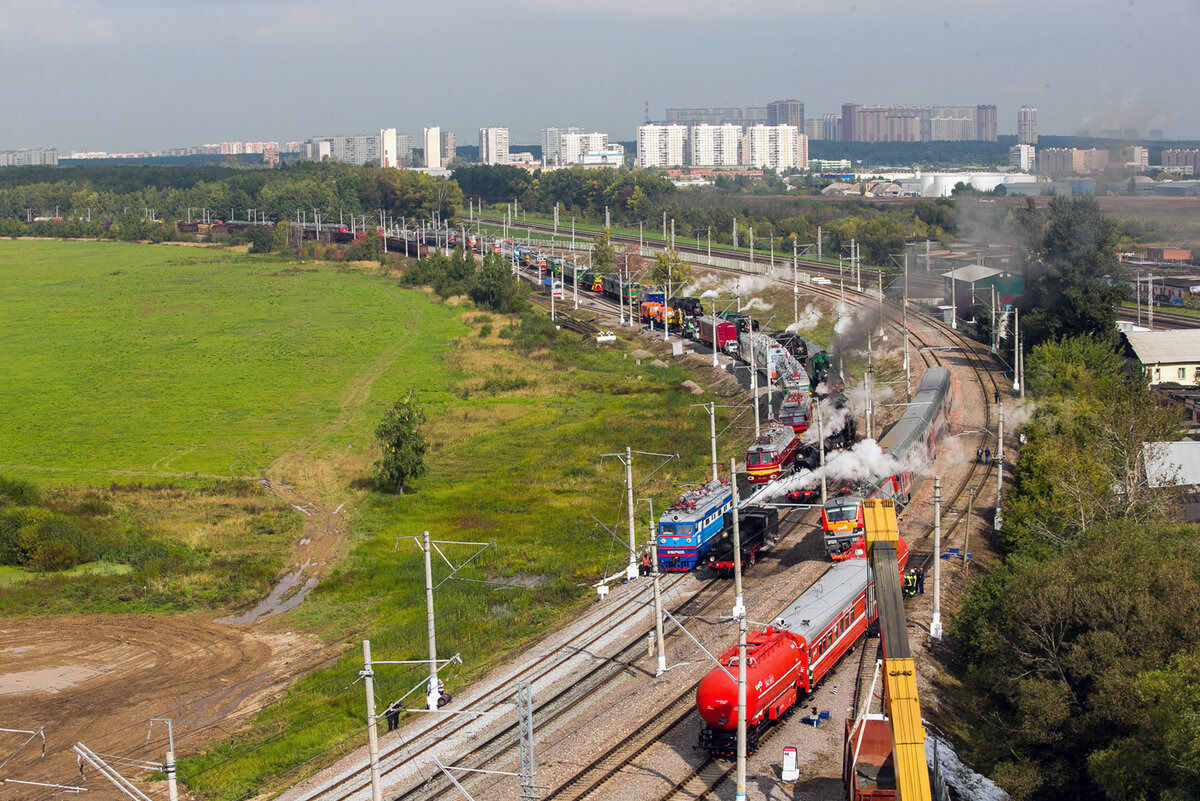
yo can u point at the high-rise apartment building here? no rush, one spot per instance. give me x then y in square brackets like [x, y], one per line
[552, 142]
[387, 148]
[432, 141]
[574, 146]
[28, 156]
[493, 145]
[831, 127]
[1027, 132]
[359, 149]
[918, 123]
[715, 145]
[1180, 160]
[662, 145]
[1072, 161]
[1022, 158]
[1136, 157]
[776, 147]
[449, 146]
[404, 148]
[786, 112]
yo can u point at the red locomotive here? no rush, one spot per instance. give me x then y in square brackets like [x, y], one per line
[786, 661]
[773, 454]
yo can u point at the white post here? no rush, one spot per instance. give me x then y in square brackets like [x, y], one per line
[712, 433]
[1017, 349]
[999, 459]
[867, 386]
[658, 610]
[904, 315]
[935, 625]
[433, 695]
[753, 380]
[372, 736]
[741, 711]
[631, 571]
[739, 606]
[795, 287]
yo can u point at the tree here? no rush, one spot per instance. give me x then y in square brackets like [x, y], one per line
[604, 255]
[496, 286]
[670, 271]
[403, 443]
[1071, 271]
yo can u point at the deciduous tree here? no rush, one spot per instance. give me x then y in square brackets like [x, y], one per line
[402, 440]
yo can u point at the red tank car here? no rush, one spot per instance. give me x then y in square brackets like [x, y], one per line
[786, 661]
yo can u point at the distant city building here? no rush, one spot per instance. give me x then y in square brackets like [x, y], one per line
[359, 149]
[776, 147]
[715, 145]
[662, 145]
[831, 127]
[1072, 161]
[1027, 129]
[814, 129]
[1136, 157]
[572, 146]
[610, 156]
[404, 148]
[28, 157]
[432, 139]
[387, 148]
[1155, 135]
[552, 142]
[493, 146]
[1022, 158]
[829, 165]
[786, 112]
[1179, 158]
[918, 123]
[449, 147]
[754, 115]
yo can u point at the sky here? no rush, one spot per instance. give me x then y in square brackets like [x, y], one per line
[130, 75]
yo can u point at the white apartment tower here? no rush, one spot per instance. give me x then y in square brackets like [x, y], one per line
[493, 145]
[573, 146]
[433, 147]
[388, 156]
[1027, 132]
[1022, 158]
[662, 145]
[552, 143]
[776, 147]
[715, 145]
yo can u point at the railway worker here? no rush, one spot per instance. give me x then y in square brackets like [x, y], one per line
[910, 583]
[393, 715]
[920, 580]
[978, 455]
[645, 564]
[987, 455]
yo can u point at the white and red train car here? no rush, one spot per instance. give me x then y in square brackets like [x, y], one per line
[787, 660]
[773, 454]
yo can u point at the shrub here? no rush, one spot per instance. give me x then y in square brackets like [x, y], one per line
[18, 492]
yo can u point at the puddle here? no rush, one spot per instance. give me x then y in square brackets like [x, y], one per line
[287, 594]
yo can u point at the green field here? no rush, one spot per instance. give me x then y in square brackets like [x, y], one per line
[135, 362]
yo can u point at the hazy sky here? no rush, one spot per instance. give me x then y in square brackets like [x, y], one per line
[136, 75]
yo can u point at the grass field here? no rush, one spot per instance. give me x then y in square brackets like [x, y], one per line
[136, 362]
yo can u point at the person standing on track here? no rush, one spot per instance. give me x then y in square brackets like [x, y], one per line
[920, 580]
[393, 715]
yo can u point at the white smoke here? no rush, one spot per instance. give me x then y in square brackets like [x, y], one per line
[1024, 412]
[808, 319]
[757, 303]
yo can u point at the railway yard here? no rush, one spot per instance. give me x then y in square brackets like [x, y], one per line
[605, 726]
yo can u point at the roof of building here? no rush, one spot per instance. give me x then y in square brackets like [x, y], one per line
[1172, 464]
[1165, 347]
[972, 272]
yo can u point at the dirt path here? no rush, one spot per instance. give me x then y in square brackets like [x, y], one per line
[99, 679]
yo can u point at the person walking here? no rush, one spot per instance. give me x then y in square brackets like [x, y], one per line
[978, 455]
[987, 455]
[393, 715]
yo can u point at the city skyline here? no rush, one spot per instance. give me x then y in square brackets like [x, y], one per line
[124, 77]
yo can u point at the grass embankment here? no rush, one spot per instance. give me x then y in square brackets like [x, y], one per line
[157, 363]
[156, 375]
[515, 460]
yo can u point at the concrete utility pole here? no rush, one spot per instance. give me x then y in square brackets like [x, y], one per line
[795, 287]
[433, 695]
[967, 536]
[368, 676]
[999, 460]
[904, 315]
[935, 625]
[660, 642]
[169, 764]
[1017, 349]
[739, 606]
[740, 794]
[631, 570]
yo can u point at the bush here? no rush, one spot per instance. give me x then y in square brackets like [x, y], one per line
[18, 492]
[53, 555]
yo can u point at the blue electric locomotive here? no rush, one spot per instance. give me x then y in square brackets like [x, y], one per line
[689, 528]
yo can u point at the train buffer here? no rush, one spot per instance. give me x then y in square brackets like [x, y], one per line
[816, 718]
[606, 336]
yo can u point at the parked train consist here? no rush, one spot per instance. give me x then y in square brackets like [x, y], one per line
[787, 660]
[757, 529]
[772, 454]
[909, 442]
